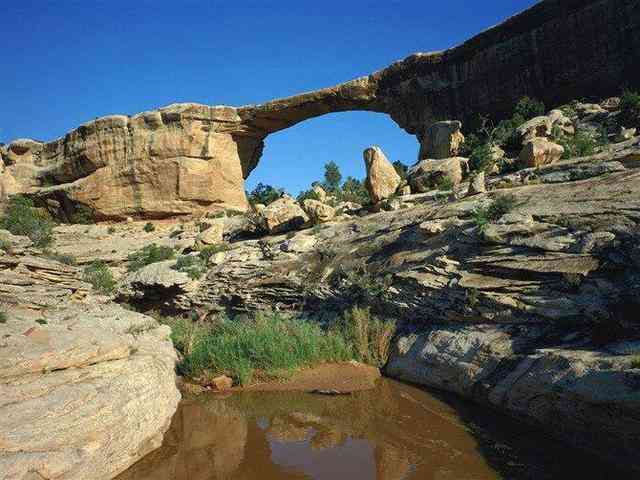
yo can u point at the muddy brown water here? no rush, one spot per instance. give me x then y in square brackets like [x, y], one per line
[394, 432]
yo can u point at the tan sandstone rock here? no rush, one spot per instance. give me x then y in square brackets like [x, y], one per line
[318, 212]
[477, 184]
[283, 215]
[538, 152]
[426, 174]
[382, 179]
[441, 140]
[213, 234]
[95, 387]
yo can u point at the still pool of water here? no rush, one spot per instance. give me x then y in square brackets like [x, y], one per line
[396, 431]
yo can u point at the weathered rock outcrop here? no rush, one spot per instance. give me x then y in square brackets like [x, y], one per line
[382, 179]
[191, 158]
[95, 387]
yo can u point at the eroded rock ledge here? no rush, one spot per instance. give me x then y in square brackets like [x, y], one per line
[87, 388]
[190, 158]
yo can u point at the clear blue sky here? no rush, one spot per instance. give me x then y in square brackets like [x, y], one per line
[66, 62]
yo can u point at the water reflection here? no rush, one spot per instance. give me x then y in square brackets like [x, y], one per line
[393, 432]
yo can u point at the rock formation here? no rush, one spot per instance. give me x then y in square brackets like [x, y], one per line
[382, 179]
[74, 372]
[191, 158]
[441, 140]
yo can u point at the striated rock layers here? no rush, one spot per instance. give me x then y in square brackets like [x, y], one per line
[191, 158]
[85, 392]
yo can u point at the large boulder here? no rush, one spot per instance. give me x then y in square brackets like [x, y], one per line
[318, 212]
[427, 174]
[84, 393]
[382, 179]
[441, 140]
[213, 234]
[320, 192]
[538, 152]
[282, 216]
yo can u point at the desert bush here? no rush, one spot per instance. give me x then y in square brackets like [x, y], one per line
[630, 109]
[111, 230]
[100, 277]
[444, 183]
[635, 361]
[149, 227]
[368, 336]
[500, 206]
[4, 318]
[5, 245]
[579, 145]
[22, 218]
[481, 158]
[82, 215]
[529, 108]
[307, 195]
[192, 265]
[149, 254]
[354, 190]
[264, 194]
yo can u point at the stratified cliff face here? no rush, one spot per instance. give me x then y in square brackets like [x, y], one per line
[193, 158]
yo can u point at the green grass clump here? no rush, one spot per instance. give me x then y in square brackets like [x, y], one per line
[265, 347]
[635, 361]
[502, 205]
[194, 266]
[149, 254]
[22, 218]
[149, 227]
[368, 336]
[4, 318]
[100, 277]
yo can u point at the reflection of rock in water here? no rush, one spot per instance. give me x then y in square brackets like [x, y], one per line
[391, 463]
[206, 441]
[284, 430]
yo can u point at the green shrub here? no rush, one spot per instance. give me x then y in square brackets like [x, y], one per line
[4, 318]
[264, 194]
[444, 183]
[111, 230]
[149, 254]
[22, 218]
[529, 108]
[41, 321]
[635, 361]
[82, 215]
[207, 252]
[630, 109]
[369, 337]
[99, 276]
[500, 206]
[192, 265]
[149, 227]
[481, 158]
[353, 190]
[264, 347]
[579, 145]
[307, 195]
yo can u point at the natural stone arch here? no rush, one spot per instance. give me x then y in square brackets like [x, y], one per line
[192, 158]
